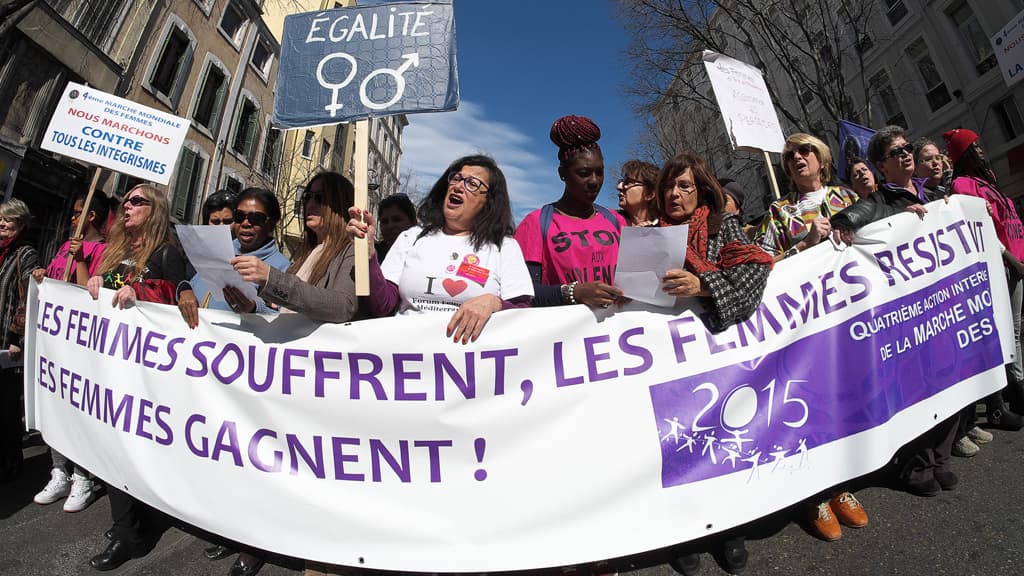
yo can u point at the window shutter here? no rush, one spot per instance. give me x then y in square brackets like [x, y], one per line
[183, 184]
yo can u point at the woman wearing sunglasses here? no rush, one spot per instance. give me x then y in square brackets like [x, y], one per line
[800, 219]
[142, 262]
[462, 259]
[255, 213]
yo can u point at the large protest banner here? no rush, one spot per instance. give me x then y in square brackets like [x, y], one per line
[115, 133]
[382, 444]
[358, 62]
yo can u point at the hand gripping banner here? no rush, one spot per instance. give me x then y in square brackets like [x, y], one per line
[382, 444]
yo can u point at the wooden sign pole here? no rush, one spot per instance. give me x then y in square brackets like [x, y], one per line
[771, 174]
[360, 179]
[83, 217]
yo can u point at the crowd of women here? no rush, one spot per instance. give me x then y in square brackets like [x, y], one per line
[563, 253]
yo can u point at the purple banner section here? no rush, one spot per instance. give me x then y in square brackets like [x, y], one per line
[764, 415]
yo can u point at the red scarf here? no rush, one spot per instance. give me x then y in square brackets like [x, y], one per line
[732, 254]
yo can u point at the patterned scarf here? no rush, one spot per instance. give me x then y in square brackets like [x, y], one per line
[732, 254]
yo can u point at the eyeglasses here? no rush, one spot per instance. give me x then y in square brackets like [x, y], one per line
[471, 184]
[684, 188]
[900, 151]
[254, 218]
[804, 150]
[627, 183]
[219, 221]
[137, 201]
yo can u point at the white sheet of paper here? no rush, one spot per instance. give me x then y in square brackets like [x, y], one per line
[645, 254]
[210, 251]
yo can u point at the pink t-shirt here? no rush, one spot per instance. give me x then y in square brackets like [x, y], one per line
[575, 249]
[93, 254]
[1004, 216]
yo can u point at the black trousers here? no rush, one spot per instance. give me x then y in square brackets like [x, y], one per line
[930, 451]
[12, 384]
[131, 517]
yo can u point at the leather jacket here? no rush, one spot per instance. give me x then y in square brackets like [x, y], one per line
[886, 201]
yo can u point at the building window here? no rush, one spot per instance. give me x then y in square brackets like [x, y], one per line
[325, 154]
[307, 144]
[271, 152]
[884, 95]
[233, 183]
[186, 185]
[232, 25]
[1009, 118]
[247, 129]
[171, 68]
[895, 11]
[208, 106]
[935, 88]
[262, 57]
[974, 39]
[98, 21]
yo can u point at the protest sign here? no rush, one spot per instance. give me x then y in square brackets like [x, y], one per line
[115, 133]
[750, 119]
[358, 62]
[382, 444]
[853, 143]
[1008, 45]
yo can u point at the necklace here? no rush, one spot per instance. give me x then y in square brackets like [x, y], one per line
[561, 209]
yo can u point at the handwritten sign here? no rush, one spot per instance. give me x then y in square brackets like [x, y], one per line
[1008, 45]
[357, 62]
[115, 133]
[746, 106]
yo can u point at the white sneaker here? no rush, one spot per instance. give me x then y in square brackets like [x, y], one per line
[82, 494]
[979, 436]
[965, 448]
[57, 488]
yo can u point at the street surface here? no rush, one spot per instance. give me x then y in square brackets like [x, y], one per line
[977, 529]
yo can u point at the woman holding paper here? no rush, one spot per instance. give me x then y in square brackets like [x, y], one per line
[255, 213]
[463, 259]
[571, 246]
[86, 253]
[142, 262]
[722, 267]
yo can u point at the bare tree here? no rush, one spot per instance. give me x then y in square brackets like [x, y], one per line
[807, 49]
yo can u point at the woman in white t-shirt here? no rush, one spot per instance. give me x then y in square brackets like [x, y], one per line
[461, 259]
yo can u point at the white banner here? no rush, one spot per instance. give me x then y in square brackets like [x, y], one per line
[381, 444]
[115, 133]
[746, 105]
[1008, 45]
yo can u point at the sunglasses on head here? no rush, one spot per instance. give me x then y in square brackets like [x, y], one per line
[254, 218]
[900, 151]
[137, 201]
[804, 150]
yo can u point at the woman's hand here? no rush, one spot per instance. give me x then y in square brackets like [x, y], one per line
[238, 302]
[252, 269]
[93, 285]
[75, 250]
[14, 351]
[362, 225]
[844, 236]
[678, 282]
[189, 308]
[38, 274]
[123, 298]
[596, 294]
[820, 229]
[918, 209]
[469, 320]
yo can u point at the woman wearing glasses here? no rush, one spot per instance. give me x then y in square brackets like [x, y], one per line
[461, 259]
[142, 262]
[800, 219]
[571, 246]
[255, 213]
[638, 194]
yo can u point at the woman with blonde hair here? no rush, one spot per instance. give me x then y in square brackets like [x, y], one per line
[142, 262]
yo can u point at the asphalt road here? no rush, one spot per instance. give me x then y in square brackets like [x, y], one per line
[977, 529]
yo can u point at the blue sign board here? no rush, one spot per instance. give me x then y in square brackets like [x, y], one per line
[360, 62]
[853, 143]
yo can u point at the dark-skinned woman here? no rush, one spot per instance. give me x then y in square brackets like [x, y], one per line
[722, 268]
[571, 246]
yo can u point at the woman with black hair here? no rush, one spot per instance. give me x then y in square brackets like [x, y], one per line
[217, 210]
[395, 214]
[973, 176]
[571, 246]
[462, 259]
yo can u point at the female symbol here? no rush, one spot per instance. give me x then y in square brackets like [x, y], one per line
[334, 106]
